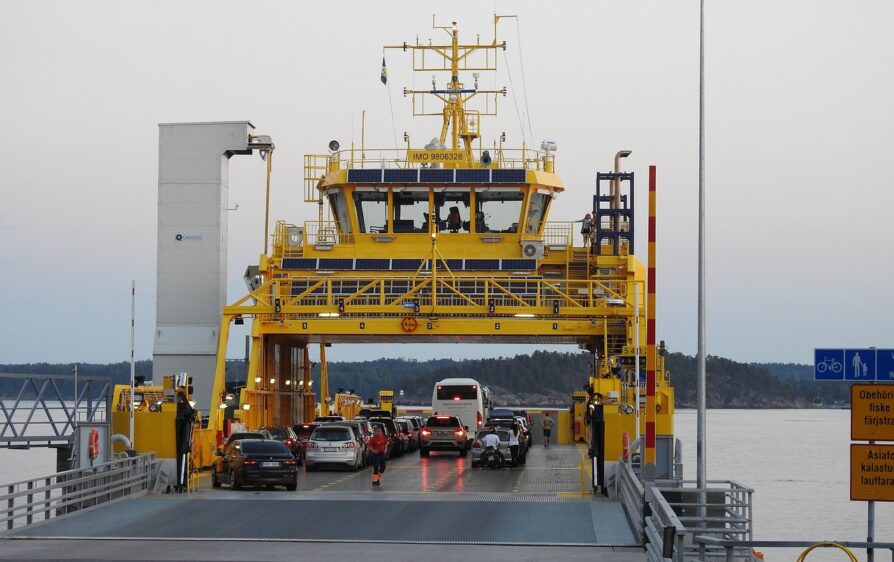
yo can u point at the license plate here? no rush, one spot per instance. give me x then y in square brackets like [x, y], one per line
[270, 464]
[330, 449]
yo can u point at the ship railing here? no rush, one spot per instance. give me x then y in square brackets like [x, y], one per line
[440, 292]
[325, 235]
[43, 409]
[41, 499]
[558, 235]
[316, 166]
[680, 512]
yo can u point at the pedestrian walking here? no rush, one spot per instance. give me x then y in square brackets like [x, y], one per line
[547, 424]
[378, 448]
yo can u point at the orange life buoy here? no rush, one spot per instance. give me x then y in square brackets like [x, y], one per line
[625, 442]
[93, 445]
[408, 324]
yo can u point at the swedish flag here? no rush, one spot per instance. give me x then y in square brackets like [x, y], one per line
[384, 72]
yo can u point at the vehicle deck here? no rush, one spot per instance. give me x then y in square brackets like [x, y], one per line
[438, 500]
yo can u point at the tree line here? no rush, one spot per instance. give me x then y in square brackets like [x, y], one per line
[546, 377]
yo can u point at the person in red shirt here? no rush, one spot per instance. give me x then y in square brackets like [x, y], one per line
[378, 447]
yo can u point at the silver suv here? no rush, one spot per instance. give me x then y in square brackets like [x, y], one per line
[443, 433]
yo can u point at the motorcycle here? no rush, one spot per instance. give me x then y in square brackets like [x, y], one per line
[492, 458]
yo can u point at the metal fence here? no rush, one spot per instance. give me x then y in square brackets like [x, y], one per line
[40, 499]
[45, 407]
[679, 513]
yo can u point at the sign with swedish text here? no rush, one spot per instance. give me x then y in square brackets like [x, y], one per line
[872, 412]
[857, 364]
[872, 472]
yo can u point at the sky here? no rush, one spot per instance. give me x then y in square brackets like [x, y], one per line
[798, 149]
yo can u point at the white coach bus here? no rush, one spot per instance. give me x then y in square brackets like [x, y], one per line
[463, 398]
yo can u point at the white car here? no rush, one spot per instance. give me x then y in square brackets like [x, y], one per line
[333, 445]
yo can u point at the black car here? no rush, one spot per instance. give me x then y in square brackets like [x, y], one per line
[255, 461]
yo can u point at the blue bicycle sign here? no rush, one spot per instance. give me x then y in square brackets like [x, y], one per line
[828, 364]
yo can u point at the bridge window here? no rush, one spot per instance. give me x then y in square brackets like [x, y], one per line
[372, 211]
[497, 210]
[536, 212]
[452, 211]
[411, 211]
[340, 210]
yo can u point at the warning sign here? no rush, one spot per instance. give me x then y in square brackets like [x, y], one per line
[872, 472]
[872, 412]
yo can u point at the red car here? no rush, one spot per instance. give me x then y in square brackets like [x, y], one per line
[287, 436]
[303, 431]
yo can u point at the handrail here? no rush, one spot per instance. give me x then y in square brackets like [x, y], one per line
[630, 490]
[726, 513]
[44, 404]
[457, 295]
[728, 546]
[51, 496]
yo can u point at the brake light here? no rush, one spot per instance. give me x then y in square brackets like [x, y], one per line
[476, 444]
[349, 445]
[480, 420]
[459, 432]
[293, 461]
[312, 445]
[426, 432]
[249, 462]
[443, 417]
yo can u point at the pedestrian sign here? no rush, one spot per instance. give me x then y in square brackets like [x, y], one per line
[861, 365]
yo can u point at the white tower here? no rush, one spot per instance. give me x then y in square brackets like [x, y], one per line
[193, 172]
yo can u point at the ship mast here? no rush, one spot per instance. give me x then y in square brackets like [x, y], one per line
[462, 123]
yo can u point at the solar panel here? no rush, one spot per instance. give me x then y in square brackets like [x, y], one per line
[478, 265]
[336, 263]
[367, 263]
[405, 264]
[299, 263]
[473, 176]
[518, 265]
[364, 176]
[508, 176]
[401, 176]
[436, 175]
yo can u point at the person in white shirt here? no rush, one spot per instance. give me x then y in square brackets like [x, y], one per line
[491, 440]
[513, 444]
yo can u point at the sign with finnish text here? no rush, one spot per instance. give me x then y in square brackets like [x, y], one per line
[872, 472]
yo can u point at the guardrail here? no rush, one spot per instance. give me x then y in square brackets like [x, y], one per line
[730, 546]
[45, 407]
[680, 513]
[41, 499]
[442, 292]
[630, 490]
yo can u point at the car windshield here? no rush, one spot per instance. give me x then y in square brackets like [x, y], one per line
[264, 448]
[277, 433]
[442, 421]
[332, 434]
